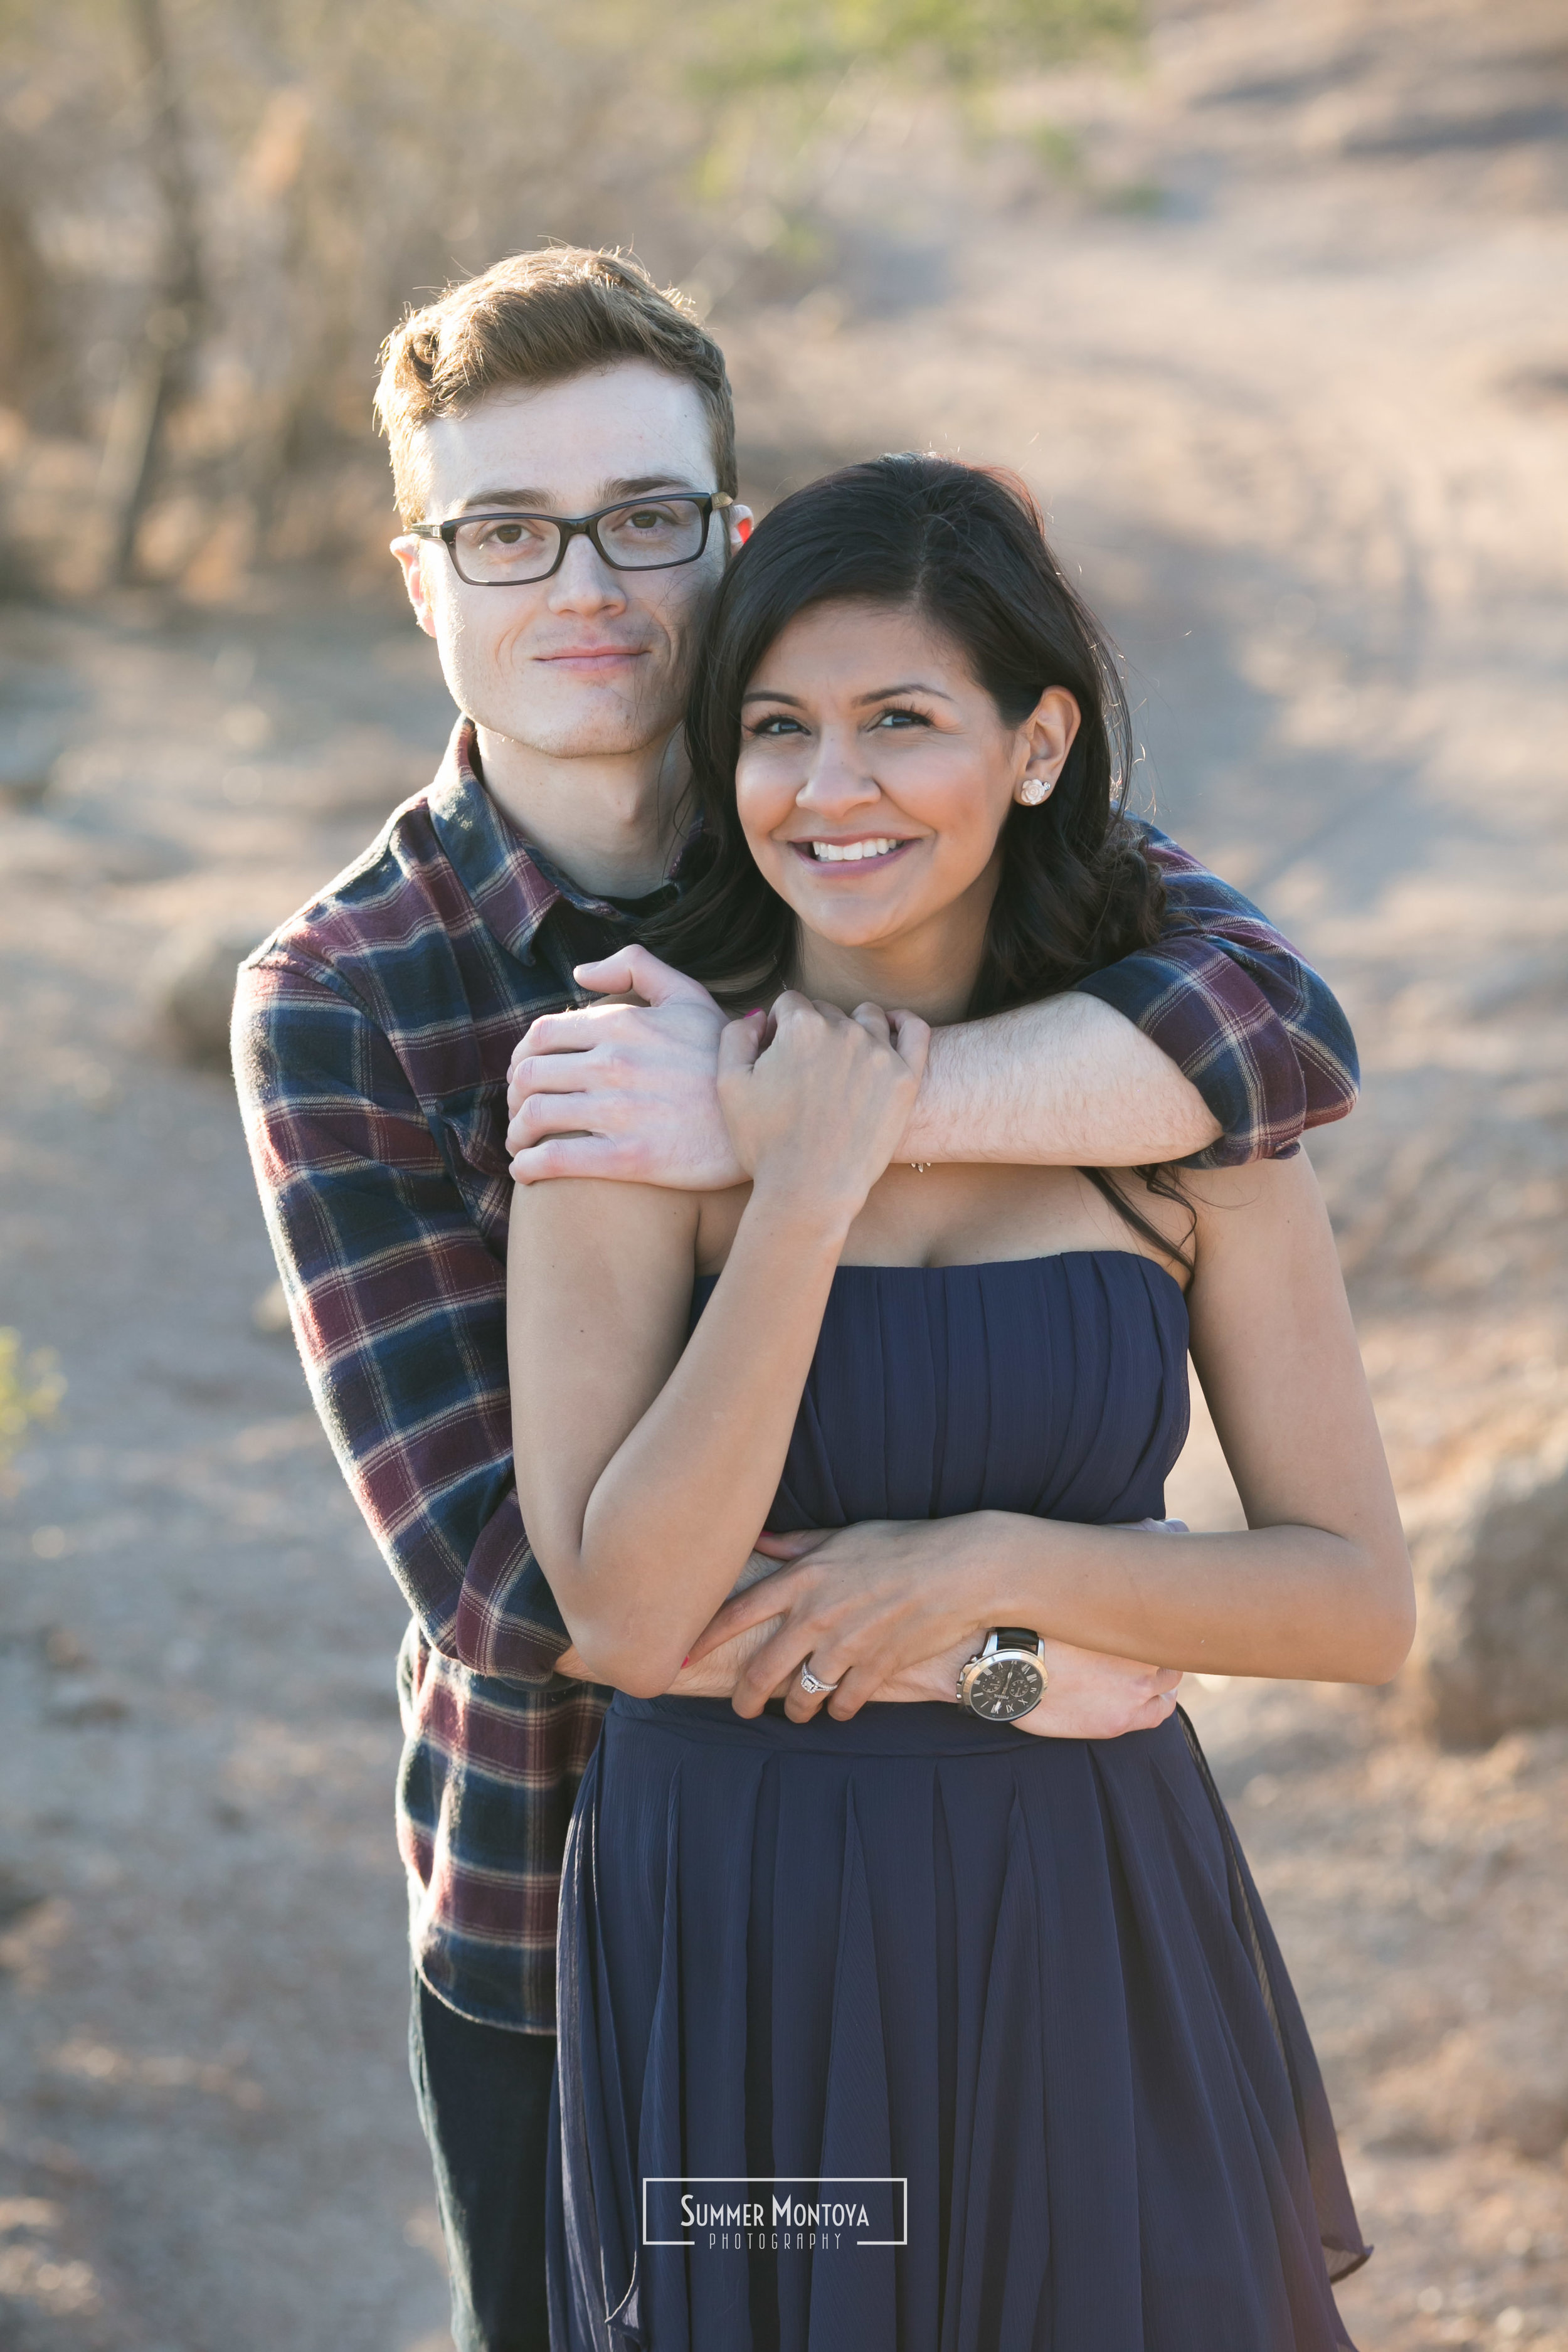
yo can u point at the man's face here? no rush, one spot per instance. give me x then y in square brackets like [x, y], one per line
[592, 662]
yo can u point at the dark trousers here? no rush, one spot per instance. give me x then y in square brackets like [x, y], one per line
[484, 2101]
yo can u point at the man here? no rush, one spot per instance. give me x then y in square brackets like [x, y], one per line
[373, 1033]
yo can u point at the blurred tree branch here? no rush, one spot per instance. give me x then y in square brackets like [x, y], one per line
[158, 367]
[230, 201]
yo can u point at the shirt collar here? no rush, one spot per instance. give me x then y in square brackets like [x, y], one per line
[511, 884]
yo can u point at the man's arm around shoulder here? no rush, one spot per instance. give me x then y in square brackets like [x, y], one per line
[1217, 1046]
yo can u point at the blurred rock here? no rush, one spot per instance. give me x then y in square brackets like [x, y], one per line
[30, 749]
[1506, 2082]
[248, 727]
[269, 1316]
[78, 1703]
[18, 1896]
[1491, 1568]
[190, 985]
[64, 1652]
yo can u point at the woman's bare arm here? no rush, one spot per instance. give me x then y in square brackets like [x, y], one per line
[1092, 1697]
[1317, 1589]
[716, 1673]
[646, 1465]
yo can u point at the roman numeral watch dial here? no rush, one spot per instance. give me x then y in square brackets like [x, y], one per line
[1007, 1678]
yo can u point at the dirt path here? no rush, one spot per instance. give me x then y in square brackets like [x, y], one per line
[209, 2142]
[1305, 426]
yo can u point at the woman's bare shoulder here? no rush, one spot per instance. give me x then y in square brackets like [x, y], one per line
[1261, 1195]
[1261, 1229]
[1210, 1216]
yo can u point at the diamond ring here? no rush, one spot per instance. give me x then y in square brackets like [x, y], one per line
[809, 1681]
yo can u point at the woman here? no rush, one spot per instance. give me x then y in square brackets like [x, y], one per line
[1011, 1979]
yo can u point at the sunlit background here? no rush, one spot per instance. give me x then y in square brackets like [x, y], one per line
[1268, 300]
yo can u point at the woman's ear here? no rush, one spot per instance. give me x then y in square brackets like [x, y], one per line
[1045, 739]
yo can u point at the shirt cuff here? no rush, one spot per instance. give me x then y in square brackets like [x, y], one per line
[1203, 1012]
[509, 1622]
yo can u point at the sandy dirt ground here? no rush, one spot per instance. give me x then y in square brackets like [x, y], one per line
[1286, 354]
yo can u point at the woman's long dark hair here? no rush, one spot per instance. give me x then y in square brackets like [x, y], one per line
[966, 548]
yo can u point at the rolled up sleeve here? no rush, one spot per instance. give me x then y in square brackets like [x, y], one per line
[1260, 1036]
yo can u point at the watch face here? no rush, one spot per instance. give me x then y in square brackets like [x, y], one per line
[1005, 1687]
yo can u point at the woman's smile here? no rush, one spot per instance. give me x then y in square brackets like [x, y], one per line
[878, 849]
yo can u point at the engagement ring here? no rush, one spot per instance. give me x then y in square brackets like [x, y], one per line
[809, 1681]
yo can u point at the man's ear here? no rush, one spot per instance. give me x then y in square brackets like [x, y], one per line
[409, 552]
[739, 523]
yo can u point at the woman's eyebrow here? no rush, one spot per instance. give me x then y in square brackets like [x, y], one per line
[911, 686]
[882, 694]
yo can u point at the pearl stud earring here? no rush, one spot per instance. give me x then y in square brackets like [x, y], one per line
[1036, 789]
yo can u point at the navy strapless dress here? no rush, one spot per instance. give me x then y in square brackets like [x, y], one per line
[1021, 1991]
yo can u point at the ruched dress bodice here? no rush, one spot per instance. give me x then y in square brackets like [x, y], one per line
[1056, 1386]
[1028, 1978]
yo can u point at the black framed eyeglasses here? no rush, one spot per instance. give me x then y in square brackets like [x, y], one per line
[502, 550]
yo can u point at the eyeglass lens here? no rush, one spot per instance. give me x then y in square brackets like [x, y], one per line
[641, 536]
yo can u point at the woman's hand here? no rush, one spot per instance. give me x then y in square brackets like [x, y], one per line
[889, 1609]
[862, 1602]
[1087, 1695]
[817, 1101]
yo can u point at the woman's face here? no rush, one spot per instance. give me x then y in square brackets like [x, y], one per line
[875, 773]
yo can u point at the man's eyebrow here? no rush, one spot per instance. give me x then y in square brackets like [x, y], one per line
[631, 485]
[536, 500]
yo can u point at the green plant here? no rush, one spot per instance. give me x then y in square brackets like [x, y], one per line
[732, 44]
[1060, 150]
[31, 1388]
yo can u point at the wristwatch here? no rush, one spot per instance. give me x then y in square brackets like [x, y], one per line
[1007, 1677]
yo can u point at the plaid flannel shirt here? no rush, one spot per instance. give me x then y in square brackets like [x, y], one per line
[371, 1034]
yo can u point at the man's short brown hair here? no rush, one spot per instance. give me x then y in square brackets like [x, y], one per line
[534, 319]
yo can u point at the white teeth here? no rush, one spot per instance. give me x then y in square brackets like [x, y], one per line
[840, 853]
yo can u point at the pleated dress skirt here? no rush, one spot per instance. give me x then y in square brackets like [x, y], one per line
[915, 2034]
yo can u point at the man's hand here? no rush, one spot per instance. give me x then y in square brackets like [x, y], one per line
[625, 1089]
